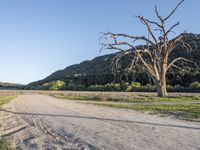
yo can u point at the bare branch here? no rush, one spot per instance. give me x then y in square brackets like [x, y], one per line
[180, 40]
[153, 22]
[146, 23]
[178, 59]
[173, 11]
[170, 30]
[132, 63]
[157, 14]
[126, 43]
[149, 54]
[114, 48]
[148, 67]
[177, 67]
[135, 38]
[143, 38]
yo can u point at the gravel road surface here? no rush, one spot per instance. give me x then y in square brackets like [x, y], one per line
[34, 121]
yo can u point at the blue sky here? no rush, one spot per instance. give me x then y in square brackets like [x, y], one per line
[38, 37]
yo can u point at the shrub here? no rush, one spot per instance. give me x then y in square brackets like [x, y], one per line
[95, 88]
[106, 87]
[129, 88]
[124, 86]
[112, 87]
[177, 88]
[135, 84]
[195, 85]
[54, 85]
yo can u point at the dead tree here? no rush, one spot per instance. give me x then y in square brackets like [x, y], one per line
[154, 55]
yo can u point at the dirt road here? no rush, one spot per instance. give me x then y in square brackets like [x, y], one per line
[36, 121]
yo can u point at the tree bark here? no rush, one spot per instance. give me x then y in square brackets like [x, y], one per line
[161, 87]
[161, 90]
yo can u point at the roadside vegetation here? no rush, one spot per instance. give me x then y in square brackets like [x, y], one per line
[6, 98]
[4, 143]
[194, 87]
[185, 111]
[181, 107]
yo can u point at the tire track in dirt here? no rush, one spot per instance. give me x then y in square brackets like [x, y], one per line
[59, 139]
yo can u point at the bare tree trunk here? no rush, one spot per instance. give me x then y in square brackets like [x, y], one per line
[161, 89]
[161, 86]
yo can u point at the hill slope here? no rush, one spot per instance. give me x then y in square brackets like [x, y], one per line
[97, 66]
[6, 85]
[97, 71]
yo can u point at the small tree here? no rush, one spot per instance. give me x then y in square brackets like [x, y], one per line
[156, 49]
[54, 85]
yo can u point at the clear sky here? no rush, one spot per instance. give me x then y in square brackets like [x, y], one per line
[38, 37]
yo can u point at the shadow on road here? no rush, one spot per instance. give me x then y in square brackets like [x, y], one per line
[102, 119]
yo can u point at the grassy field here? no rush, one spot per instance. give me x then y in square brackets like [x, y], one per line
[4, 144]
[182, 106]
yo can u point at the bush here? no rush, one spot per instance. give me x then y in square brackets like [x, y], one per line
[106, 87]
[135, 84]
[112, 87]
[54, 85]
[195, 85]
[145, 88]
[129, 88]
[124, 86]
[177, 88]
[95, 88]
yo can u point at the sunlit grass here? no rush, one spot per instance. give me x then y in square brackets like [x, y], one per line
[181, 111]
[4, 143]
[6, 98]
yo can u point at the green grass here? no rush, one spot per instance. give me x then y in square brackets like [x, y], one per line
[6, 98]
[182, 107]
[182, 111]
[173, 98]
[4, 143]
